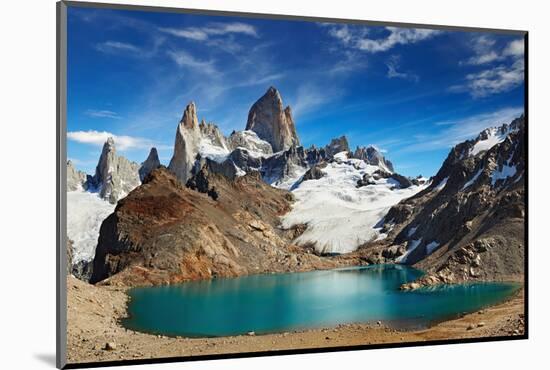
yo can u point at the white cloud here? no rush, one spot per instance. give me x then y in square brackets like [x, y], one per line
[483, 48]
[102, 114]
[492, 81]
[131, 50]
[184, 59]
[117, 46]
[358, 37]
[505, 73]
[393, 64]
[212, 29]
[188, 33]
[397, 36]
[350, 61]
[98, 138]
[496, 80]
[515, 48]
[457, 131]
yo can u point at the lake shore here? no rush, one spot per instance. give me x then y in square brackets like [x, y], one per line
[94, 314]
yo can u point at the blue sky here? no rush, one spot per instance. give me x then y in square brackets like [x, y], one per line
[413, 93]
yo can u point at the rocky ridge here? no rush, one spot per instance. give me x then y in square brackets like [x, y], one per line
[469, 223]
[76, 180]
[164, 232]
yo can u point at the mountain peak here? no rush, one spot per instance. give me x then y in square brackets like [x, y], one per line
[272, 91]
[189, 118]
[152, 162]
[271, 122]
[109, 144]
[337, 145]
[115, 176]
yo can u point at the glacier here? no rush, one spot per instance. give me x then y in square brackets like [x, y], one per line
[339, 216]
[85, 213]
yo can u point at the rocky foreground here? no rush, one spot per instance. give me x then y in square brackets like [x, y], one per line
[95, 334]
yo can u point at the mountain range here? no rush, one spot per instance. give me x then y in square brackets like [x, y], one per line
[257, 201]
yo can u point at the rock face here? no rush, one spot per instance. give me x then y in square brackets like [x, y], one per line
[186, 146]
[164, 232]
[76, 180]
[271, 122]
[336, 146]
[315, 172]
[69, 256]
[249, 140]
[476, 199]
[115, 176]
[284, 164]
[372, 156]
[152, 162]
[212, 134]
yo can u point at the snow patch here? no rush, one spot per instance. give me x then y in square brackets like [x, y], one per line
[85, 213]
[432, 247]
[505, 172]
[473, 179]
[410, 248]
[412, 231]
[255, 144]
[340, 216]
[442, 184]
[214, 152]
[493, 138]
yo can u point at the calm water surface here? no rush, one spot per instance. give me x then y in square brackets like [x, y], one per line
[285, 302]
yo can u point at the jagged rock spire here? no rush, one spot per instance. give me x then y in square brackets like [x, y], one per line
[115, 176]
[271, 122]
[152, 162]
[186, 144]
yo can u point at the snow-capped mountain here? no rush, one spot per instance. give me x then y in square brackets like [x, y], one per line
[341, 195]
[90, 199]
[477, 195]
[344, 199]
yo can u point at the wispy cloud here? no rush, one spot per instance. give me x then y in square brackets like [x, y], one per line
[102, 114]
[350, 61]
[127, 49]
[493, 81]
[117, 46]
[457, 131]
[309, 97]
[122, 142]
[393, 65]
[184, 59]
[359, 37]
[504, 71]
[483, 48]
[212, 29]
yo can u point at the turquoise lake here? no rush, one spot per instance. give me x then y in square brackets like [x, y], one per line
[286, 302]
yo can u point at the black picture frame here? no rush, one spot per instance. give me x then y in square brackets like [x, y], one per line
[61, 188]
